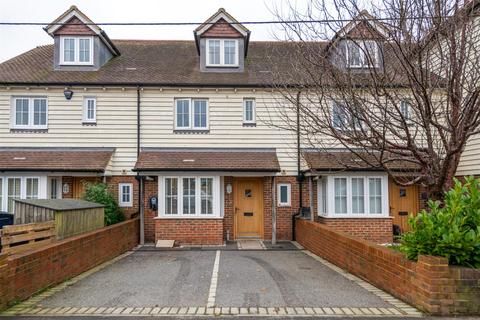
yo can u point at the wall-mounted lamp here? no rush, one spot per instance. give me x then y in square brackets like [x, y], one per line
[68, 94]
[229, 188]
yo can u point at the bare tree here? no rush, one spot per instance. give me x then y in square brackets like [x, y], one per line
[399, 85]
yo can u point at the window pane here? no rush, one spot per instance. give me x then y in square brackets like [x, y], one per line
[375, 191]
[126, 193]
[229, 51]
[32, 188]
[21, 112]
[69, 50]
[13, 192]
[200, 113]
[405, 110]
[249, 110]
[358, 195]
[183, 113]
[90, 112]
[39, 112]
[339, 116]
[171, 196]
[84, 50]
[354, 54]
[206, 196]
[188, 195]
[283, 194]
[53, 188]
[340, 189]
[214, 51]
[370, 53]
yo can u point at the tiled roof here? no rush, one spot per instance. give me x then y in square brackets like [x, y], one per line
[208, 159]
[55, 159]
[344, 160]
[150, 62]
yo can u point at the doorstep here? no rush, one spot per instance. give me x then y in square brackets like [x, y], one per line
[228, 246]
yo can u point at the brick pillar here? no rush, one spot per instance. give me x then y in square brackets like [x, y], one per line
[228, 209]
[435, 290]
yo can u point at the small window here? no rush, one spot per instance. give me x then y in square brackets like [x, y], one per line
[249, 111]
[90, 110]
[125, 194]
[55, 186]
[29, 113]
[191, 114]
[344, 119]
[361, 54]
[284, 194]
[405, 110]
[76, 50]
[222, 52]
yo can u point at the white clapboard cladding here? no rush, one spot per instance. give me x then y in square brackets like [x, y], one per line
[116, 124]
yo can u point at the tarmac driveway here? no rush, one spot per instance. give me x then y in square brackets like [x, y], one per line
[261, 282]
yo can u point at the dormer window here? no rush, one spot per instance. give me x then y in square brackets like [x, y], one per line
[361, 54]
[222, 52]
[76, 50]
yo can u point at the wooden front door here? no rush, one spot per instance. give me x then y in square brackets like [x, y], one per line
[79, 185]
[404, 201]
[248, 202]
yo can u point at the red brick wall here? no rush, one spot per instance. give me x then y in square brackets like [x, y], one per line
[69, 181]
[190, 231]
[228, 218]
[151, 189]
[284, 214]
[74, 28]
[371, 229]
[113, 182]
[221, 29]
[29, 272]
[429, 284]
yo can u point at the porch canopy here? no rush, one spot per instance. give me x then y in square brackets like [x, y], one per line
[55, 159]
[208, 159]
[328, 160]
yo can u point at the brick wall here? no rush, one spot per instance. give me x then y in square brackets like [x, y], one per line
[190, 231]
[429, 284]
[30, 272]
[284, 214]
[69, 182]
[371, 229]
[228, 218]
[151, 189]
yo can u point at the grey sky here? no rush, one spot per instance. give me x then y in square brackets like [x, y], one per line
[17, 39]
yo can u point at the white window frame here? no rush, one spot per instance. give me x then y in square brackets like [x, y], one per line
[330, 196]
[216, 192]
[254, 107]
[76, 52]
[58, 194]
[42, 187]
[363, 54]
[222, 53]
[289, 195]
[191, 114]
[406, 104]
[121, 203]
[350, 123]
[85, 110]
[31, 114]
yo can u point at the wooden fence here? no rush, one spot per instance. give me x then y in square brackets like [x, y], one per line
[19, 238]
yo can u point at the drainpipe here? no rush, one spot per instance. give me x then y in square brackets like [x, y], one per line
[140, 178]
[274, 213]
[299, 169]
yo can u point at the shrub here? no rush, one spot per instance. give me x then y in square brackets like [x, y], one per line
[99, 193]
[451, 230]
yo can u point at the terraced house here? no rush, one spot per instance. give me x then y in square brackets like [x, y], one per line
[184, 133]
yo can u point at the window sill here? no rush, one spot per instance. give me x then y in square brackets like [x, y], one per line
[182, 217]
[28, 130]
[284, 205]
[357, 217]
[125, 205]
[191, 131]
[249, 124]
[87, 123]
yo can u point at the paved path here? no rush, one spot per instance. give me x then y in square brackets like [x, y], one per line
[288, 283]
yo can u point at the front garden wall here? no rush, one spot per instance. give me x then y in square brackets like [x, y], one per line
[429, 284]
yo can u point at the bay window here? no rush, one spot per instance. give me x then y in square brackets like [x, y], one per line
[14, 187]
[189, 196]
[29, 113]
[222, 52]
[353, 196]
[191, 114]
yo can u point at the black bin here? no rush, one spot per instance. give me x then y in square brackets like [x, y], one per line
[6, 219]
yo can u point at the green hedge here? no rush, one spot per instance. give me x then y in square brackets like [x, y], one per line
[99, 193]
[451, 229]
